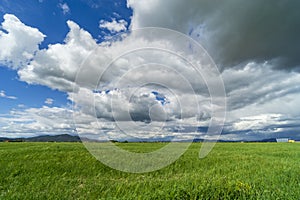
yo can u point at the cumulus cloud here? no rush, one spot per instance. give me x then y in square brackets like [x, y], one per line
[3, 95]
[18, 42]
[114, 25]
[57, 65]
[233, 32]
[107, 81]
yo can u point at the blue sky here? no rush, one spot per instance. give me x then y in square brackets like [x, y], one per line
[52, 52]
[50, 19]
[26, 95]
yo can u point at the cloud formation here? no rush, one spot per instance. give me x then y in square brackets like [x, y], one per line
[249, 41]
[35, 121]
[114, 26]
[18, 42]
[56, 66]
[233, 32]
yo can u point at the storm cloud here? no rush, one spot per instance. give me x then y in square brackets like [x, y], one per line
[234, 32]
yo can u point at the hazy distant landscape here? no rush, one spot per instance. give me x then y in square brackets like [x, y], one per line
[75, 138]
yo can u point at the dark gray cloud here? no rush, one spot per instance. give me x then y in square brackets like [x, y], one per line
[234, 32]
[258, 30]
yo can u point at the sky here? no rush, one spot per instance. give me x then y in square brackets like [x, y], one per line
[95, 68]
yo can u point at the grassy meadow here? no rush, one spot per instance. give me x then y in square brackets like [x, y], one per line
[230, 171]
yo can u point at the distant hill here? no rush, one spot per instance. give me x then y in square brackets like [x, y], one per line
[263, 140]
[269, 140]
[44, 138]
[71, 138]
[2, 139]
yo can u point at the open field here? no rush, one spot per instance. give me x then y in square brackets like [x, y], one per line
[230, 171]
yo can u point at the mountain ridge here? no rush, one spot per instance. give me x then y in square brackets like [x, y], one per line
[75, 138]
[44, 138]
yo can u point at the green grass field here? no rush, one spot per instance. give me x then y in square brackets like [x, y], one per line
[230, 171]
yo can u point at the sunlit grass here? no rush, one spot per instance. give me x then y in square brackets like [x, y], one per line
[230, 171]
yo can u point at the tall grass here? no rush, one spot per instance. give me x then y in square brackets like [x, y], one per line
[230, 171]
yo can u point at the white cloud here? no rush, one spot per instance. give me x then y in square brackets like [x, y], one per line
[49, 101]
[254, 90]
[18, 42]
[56, 66]
[256, 122]
[65, 8]
[258, 84]
[114, 25]
[36, 121]
[3, 95]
